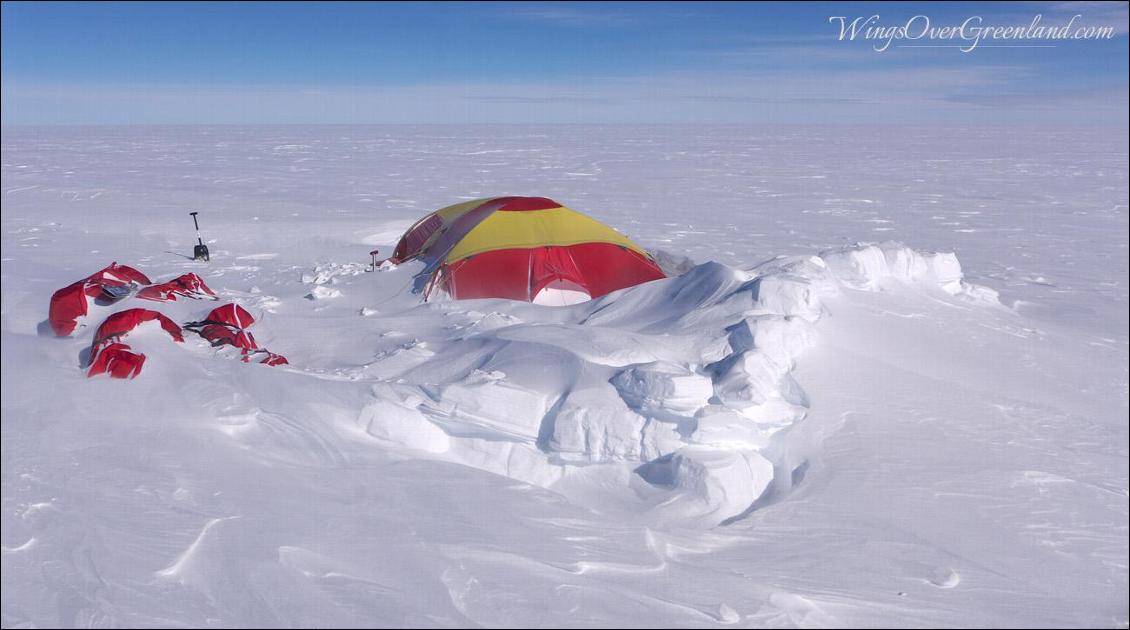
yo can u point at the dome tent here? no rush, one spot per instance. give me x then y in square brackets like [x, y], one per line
[522, 248]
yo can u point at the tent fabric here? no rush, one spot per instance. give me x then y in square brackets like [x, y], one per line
[121, 273]
[117, 360]
[110, 356]
[67, 305]
[520, 274]
[513, 247]
[513, 230]
[189, 285]
[274, 359]
[224, 325]
[220, 335]
[419, 237]
[230, 315]
[227, 326]
[71, 302]
[121, 323]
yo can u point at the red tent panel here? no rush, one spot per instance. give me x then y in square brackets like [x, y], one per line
[519, 274]
[70, 303]
[220, 335]
[67, 305]
[121, 323]
[118, 361]
[415, 237]
[230, 315]
[189, 285]
[274, 359]
[122, 273]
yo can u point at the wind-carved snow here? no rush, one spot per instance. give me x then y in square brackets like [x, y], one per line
[894, 448]
[686, 381]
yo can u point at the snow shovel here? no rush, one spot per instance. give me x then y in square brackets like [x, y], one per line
[200, 251]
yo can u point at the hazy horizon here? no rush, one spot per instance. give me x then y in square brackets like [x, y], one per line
[550, 63]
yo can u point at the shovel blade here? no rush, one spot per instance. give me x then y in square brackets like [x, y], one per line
[200, 252]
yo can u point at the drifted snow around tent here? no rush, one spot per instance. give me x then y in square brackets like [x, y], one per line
[224, 326]
[109, 355]
[522, 248]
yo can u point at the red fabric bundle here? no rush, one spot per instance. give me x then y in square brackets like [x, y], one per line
[122, 322]
[221, 335]
[118, 361]
[70, 303]
[227, 325]
[189, 285]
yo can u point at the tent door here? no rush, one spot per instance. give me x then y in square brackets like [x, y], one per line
[561, 292]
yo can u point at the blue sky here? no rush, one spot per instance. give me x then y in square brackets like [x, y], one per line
[135, 62]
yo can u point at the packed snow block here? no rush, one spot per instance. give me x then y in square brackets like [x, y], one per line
[663, 385]
[595, 425]
[788, 295]
[945, 271]
[868, 267]
[713, 484]
[721, 427]
[941, 269]
[710, 347]
[403, 425]
[748, 378]
[756, 379]
[486, 406]
[782, 338]
[905, 263]
[518, 461]
[863, 267]
[774, 415]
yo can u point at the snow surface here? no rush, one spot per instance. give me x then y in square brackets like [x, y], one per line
[818, 422]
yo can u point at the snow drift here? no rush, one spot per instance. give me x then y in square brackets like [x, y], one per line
[856, 438]
[688, 381]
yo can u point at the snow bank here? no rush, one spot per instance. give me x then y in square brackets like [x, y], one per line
[952, 459]
[873, 267]
[686, 381]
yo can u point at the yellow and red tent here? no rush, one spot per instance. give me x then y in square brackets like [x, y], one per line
[523, 248]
